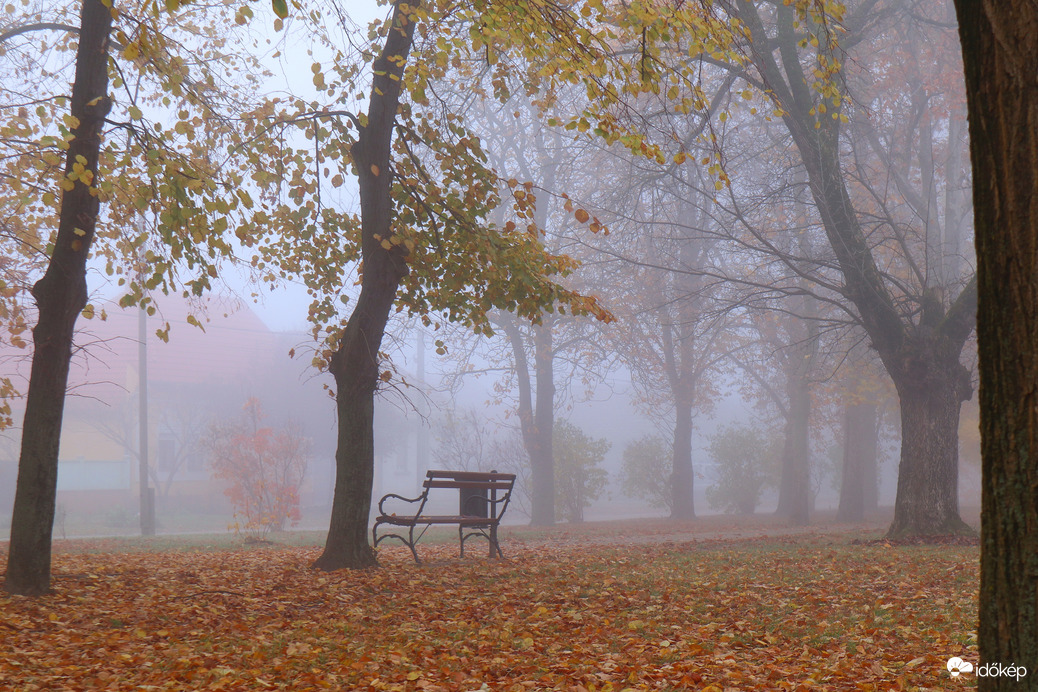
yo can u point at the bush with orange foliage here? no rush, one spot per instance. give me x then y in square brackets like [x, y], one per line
[265, 467]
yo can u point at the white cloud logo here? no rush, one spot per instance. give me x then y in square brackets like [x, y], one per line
[956, 665]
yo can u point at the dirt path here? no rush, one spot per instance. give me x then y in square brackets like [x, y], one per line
[710, 528]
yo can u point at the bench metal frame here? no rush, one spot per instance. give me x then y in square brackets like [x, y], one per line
[491, 489]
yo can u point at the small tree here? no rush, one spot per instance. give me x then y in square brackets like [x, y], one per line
[747, 462]
[265, 467]
[579, 479]
[647, 469]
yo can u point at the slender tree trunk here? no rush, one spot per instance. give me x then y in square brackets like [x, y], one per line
[542, 460]
[1000, 51]
[532, 418]
[60, 296]
[870, 489]
[795, 484]
[859, 460]
[354, 364]
[682, 476]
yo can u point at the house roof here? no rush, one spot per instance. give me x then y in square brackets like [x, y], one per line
[232, 344]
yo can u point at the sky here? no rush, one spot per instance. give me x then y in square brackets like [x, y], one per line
[285, 309]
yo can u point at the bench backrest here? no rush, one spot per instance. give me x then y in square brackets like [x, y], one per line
[482, 494]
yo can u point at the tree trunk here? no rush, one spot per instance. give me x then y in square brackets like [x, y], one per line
[795, 485]
[536, 418]
[1000, 50]
[682, 476]
[870, 489]
[60, 296]
[356, 379]
[859, 461]
[354, 364]
[927, 500]
[542, 460]
[893, 336]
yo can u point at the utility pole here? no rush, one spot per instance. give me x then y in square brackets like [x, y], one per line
[422, 452]
[147, 494]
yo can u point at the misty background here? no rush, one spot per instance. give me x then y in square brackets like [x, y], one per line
[690, 272]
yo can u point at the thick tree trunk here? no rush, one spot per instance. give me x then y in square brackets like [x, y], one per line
[927, 500]
[859, 461]
[355, 368]
[1000, 51]
[893, 335]
[355, 363]
[682, 475]
[60, 296]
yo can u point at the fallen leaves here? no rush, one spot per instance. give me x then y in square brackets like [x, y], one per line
[753, 614]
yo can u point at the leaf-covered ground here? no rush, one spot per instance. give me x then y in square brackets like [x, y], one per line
[796, 612]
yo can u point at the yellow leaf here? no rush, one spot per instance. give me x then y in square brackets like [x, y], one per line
[582, 216]
[374, 170]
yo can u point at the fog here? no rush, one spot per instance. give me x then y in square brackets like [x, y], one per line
[728, 307]
[201, 378]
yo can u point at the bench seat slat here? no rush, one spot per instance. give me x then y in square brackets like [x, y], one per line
[471, 475]
[438, 519]
[473, 485]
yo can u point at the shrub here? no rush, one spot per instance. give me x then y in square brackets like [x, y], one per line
[264, 466]
[579, 479]
[747, 463]
[646, 471]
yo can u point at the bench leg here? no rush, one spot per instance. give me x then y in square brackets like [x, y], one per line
[409, 540]
[410, 544]
[494, 545]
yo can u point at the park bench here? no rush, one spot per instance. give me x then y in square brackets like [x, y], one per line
[483, 498]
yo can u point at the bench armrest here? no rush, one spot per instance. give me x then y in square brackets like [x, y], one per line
[409, 500]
